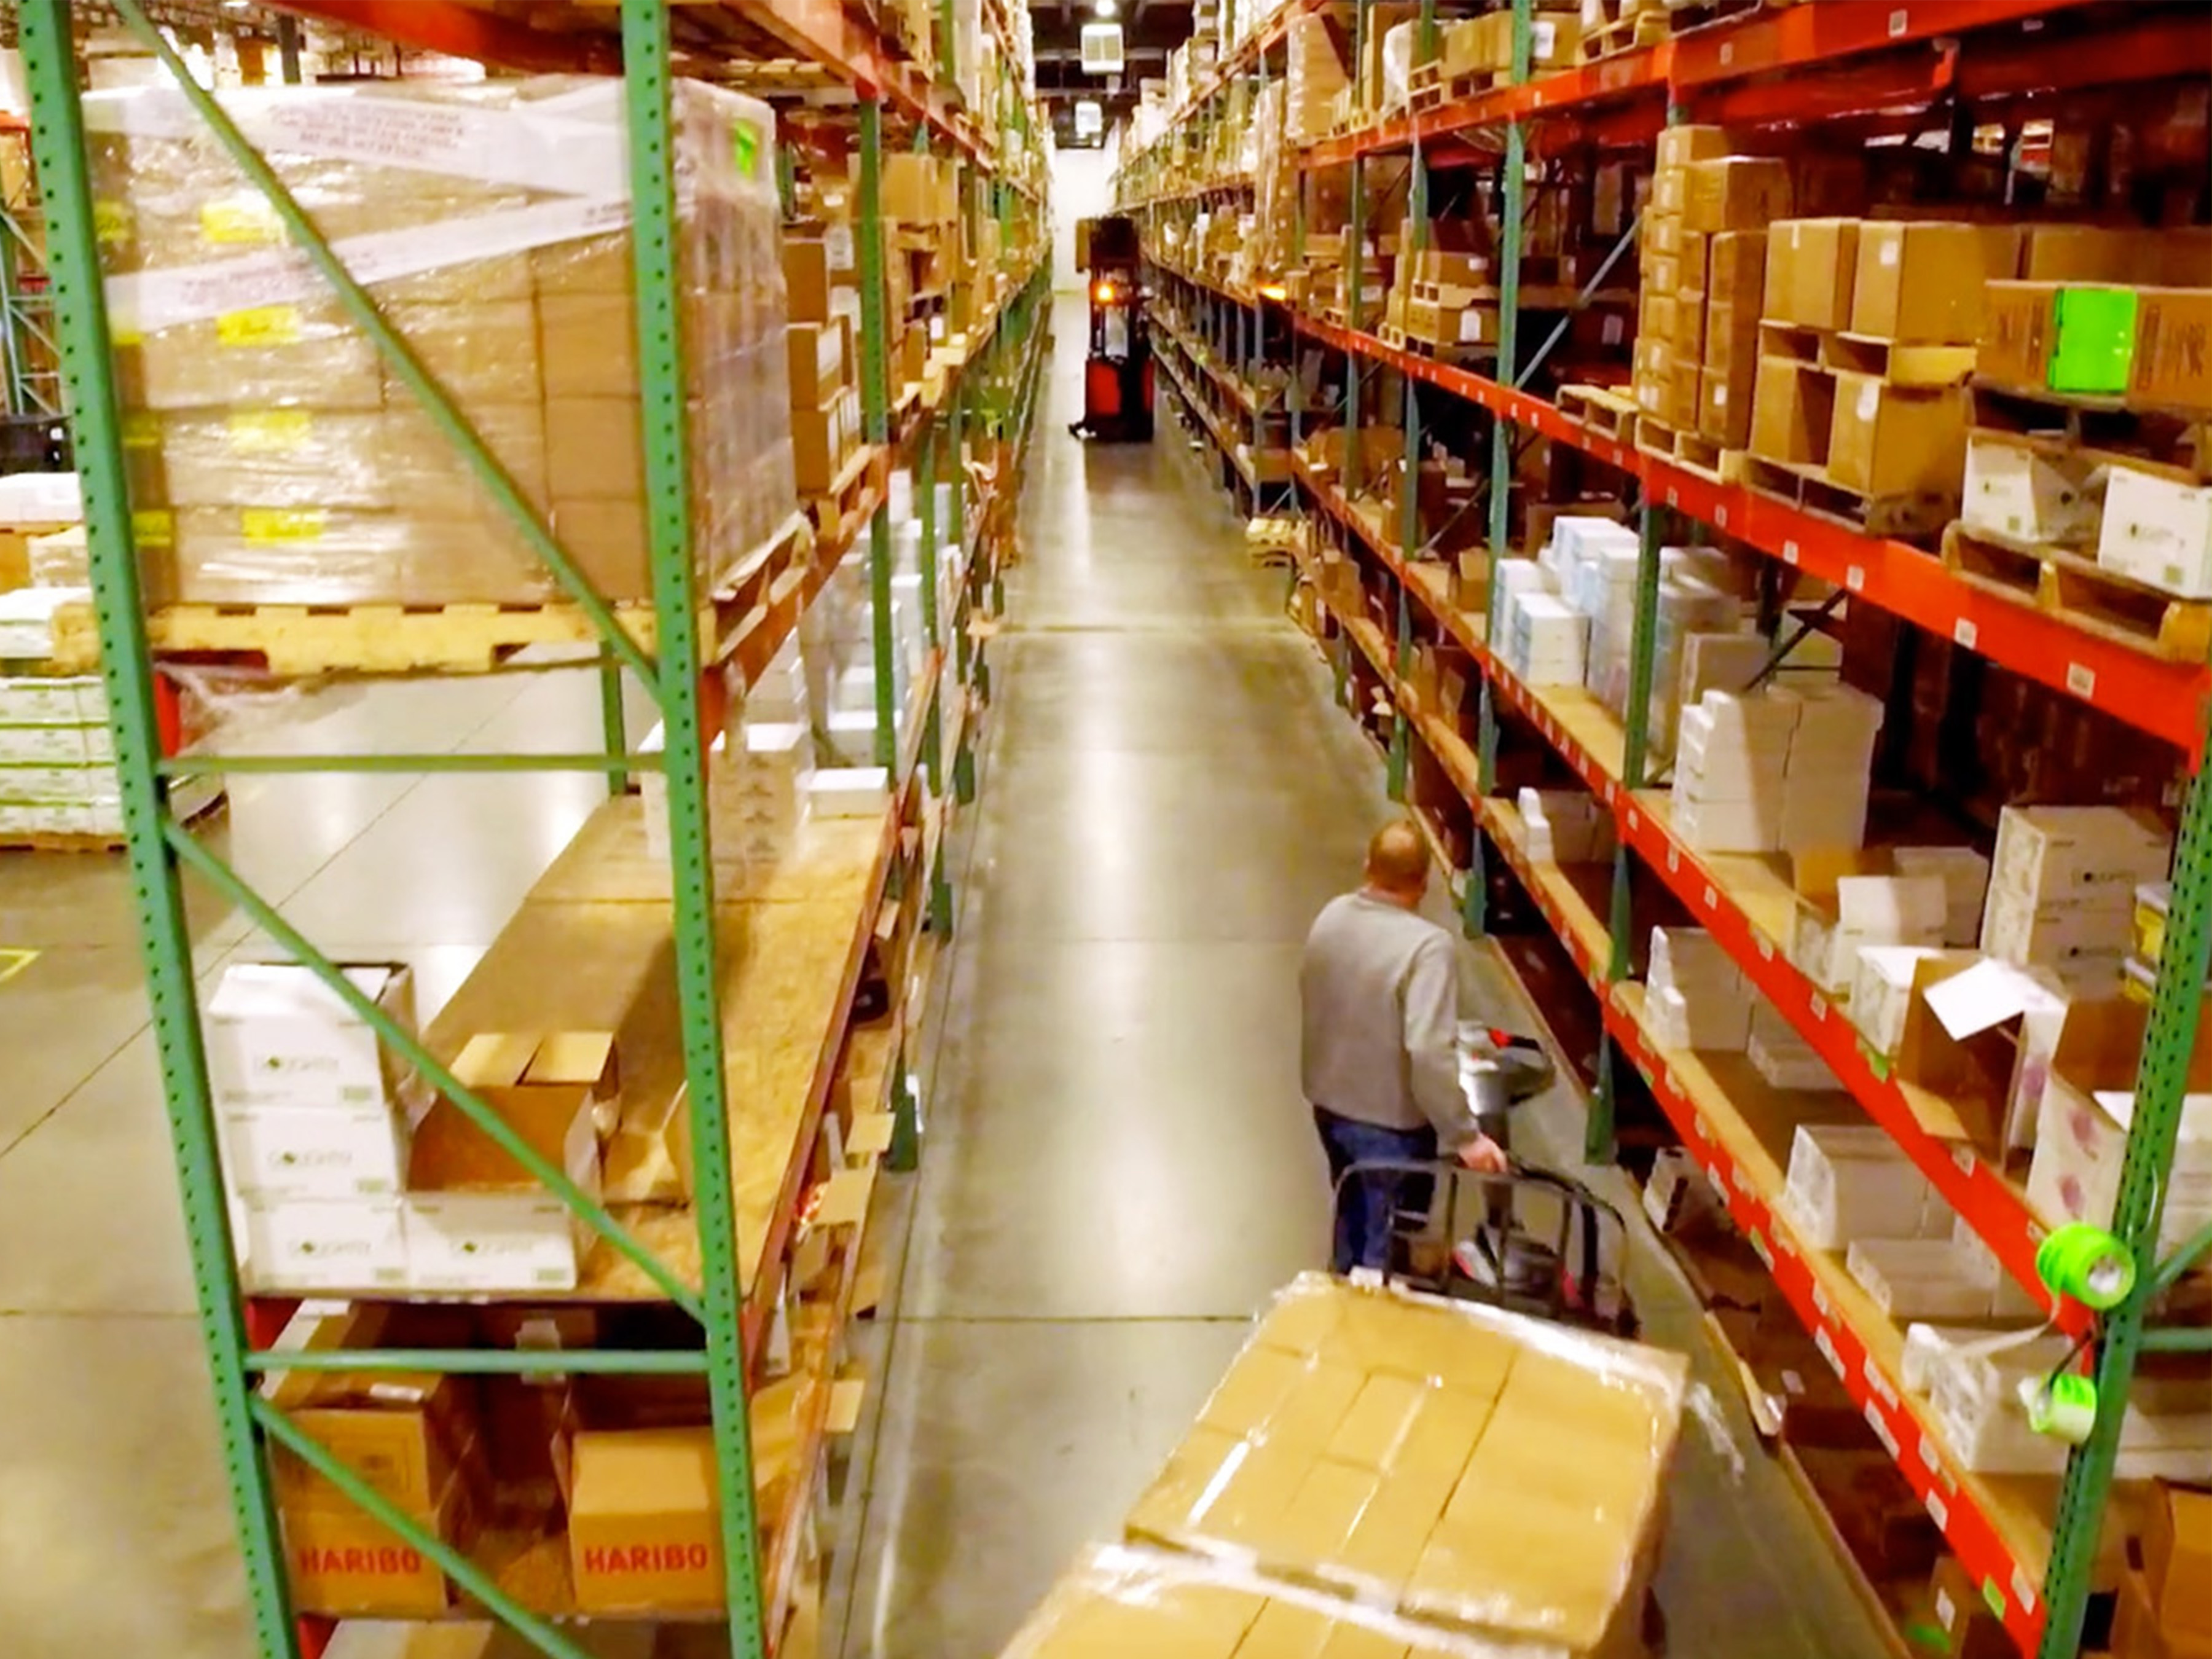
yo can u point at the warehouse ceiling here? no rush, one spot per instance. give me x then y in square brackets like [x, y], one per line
[1150, 29]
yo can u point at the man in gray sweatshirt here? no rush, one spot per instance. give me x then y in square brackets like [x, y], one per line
[1379, 989]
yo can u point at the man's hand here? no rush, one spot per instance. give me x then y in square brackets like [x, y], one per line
[1484, 1156]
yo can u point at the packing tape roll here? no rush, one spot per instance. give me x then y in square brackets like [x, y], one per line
[2062, 1407]
[2087, 1263]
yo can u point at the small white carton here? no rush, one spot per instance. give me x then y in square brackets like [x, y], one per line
[277, 1036]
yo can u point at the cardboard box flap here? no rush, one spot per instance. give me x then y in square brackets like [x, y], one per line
[570, 1058]
[643, 1472]
[494, 1059]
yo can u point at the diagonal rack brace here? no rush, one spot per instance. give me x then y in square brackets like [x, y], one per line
[227, 881]
[398, 355]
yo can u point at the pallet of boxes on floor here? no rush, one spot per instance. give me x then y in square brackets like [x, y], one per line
[1381, 1471]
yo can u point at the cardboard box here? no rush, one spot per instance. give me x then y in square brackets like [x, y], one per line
[1679, 146]
[273, 1153]
[822, 441]
[2172, 364]
[2177, 1553]
[816, 355]
[595, 448]
[645, 1521]
[1923, 282]
[1724, 407]
[277, 1036]
[1888, 440]
[302, 1244]
[2031, 490]
[2157, 528]
[808, 279]
[406, 1434]
[2068, 338]
[1811, 265]
[1735, 192]
[1735, 271]
[344, 1564]
[480, 351]
[1793, 412]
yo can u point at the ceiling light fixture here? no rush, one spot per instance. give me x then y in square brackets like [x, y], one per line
[1105, 8]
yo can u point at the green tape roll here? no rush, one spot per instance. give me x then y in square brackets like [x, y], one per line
[2062, 1407]
[2087, 1263]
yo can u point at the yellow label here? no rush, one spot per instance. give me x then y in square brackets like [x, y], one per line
[141, 429]
[262, 326]
[241, 219]
[111, 223]
[270, 431]
[267, 526]
[152, 527]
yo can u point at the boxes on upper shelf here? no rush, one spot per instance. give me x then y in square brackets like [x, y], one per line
[1812, 268]
[2062, 885]
[1698, 998]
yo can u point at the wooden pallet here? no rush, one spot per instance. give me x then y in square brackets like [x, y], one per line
[1644, 29]
[1427, 86]
[2082, 592]
[2175, 439]
[1605, 410]
[1690, 450]
[834, 513]
[33, 841]
[1919, 515]
[301, 639]
[1685, 15]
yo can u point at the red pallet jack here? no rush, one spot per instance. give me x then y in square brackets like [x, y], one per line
[1117, 374]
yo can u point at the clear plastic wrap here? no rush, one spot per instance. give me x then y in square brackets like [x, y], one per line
[1116, 1602]
[1498, 1475]
[275, 459]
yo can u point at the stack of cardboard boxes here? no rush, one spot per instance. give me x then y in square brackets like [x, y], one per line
[1703, 253]
[822, 366]
[2061, 888]
[57, 773]
[276, 458]
[1441, 292]
[1316, 75]
[1784, 770]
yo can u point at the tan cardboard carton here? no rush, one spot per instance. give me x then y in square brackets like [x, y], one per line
[595, 447]
[480, 353]
[1735, 269]
[344, 1564]
[1923, 282]
[644, 1521]
[1811, 267]
[2172, 364]
[1793, 412]
[1892, 441]
[257, 357]
[1735, 192]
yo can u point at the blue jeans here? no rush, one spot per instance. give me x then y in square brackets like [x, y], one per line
[1366, 1204]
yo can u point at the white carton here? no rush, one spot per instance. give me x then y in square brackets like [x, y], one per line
[491, 1242]
[1964, 874]
[2081, 1143]
[2030, 492]
[1882, 992]
[2158, 529]
[67, 700]
[302, 1244]
[271, 1153]
[1849, 1182]
[277, 1036]
[854, 792]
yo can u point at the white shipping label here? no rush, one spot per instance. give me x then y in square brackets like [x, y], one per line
[1720, 396]
[1890, 251]
[1869, 400]
[1544, 35]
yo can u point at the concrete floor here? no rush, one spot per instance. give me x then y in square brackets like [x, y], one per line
[1118, 1171]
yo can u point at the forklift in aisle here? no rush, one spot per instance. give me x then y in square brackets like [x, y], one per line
[1118, 374]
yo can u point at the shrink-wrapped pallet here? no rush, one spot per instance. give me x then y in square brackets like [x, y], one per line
[276, 458]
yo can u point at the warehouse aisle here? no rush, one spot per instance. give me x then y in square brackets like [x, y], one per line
[1118, 1171]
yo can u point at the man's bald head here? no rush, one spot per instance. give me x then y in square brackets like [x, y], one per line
[1398, 862]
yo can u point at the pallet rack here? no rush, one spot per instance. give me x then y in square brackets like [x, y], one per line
[723, 1261]
[1779, 64]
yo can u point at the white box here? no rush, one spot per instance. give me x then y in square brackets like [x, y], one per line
[1920, 1278]
[69, 700]
[271, 1153]
[277, 1036]
[1964, 874]
[848, 792]
[2030, 492]
[2158, 529]
[51, 745]
[1881, 991]
[491, 1242]
[311, 1244]
[2045, 853]
[1727, 826]
[2079, 1145]
[1850, 1181]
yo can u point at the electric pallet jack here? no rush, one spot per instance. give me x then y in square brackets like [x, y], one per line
[1117, 374]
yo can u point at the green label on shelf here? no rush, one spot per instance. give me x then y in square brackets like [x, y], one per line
[745, 148]
[2096, 340]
